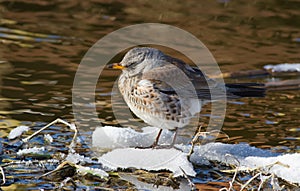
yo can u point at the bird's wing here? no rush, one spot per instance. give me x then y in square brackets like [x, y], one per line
[173, 76]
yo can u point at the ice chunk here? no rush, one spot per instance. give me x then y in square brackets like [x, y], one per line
[245, 156]
[76, 158]
[34, 150]
[48, 138]
[114, 137]
[149, 159]
[286, 67]
[16, 132]
[221, 152]
[289, 170]
[242, 155]
[94, 171]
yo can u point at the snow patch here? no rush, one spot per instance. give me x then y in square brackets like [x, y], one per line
[34, 150]
[289, 169]
[48, 138]
[240, 155]
[113, 137]
[286, 67]
[149, 159]
[95, 171]
[18, 131]
[76, 158]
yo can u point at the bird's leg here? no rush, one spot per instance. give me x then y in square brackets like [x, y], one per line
[165, 146]
[155, 144]
[174, 137]
[156, 139]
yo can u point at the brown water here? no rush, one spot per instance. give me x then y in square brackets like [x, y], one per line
[36, 82]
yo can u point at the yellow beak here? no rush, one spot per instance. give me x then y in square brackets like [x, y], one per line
[116, 66]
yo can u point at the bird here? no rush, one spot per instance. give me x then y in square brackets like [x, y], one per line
[165, 92]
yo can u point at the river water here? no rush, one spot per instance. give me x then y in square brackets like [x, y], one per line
[36, 81]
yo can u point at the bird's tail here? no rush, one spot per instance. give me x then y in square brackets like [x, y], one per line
[236, 90]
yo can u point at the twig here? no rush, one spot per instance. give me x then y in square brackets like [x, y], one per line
[58, 120]
[25, 140]
[233, 179]
[196, 136]
[3, 176]
[65, 181]
[261, 170]
[262, 181]
[73, 142]
[58, 168]
[191, 184]
[283, 85]
[235, 172]
[275, 184]
[194, 140]
[250, 180]
[240, 74]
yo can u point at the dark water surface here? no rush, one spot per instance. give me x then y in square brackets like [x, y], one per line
[35, 84]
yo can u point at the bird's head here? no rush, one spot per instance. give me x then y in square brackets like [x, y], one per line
[139, 60]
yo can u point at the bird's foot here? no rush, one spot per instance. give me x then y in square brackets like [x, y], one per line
[164, 146]
[153, 146]
[156, 146]
[140, 147]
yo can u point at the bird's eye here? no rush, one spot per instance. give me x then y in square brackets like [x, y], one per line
[132, 64]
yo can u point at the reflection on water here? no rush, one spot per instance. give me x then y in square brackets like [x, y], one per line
[241, 35]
